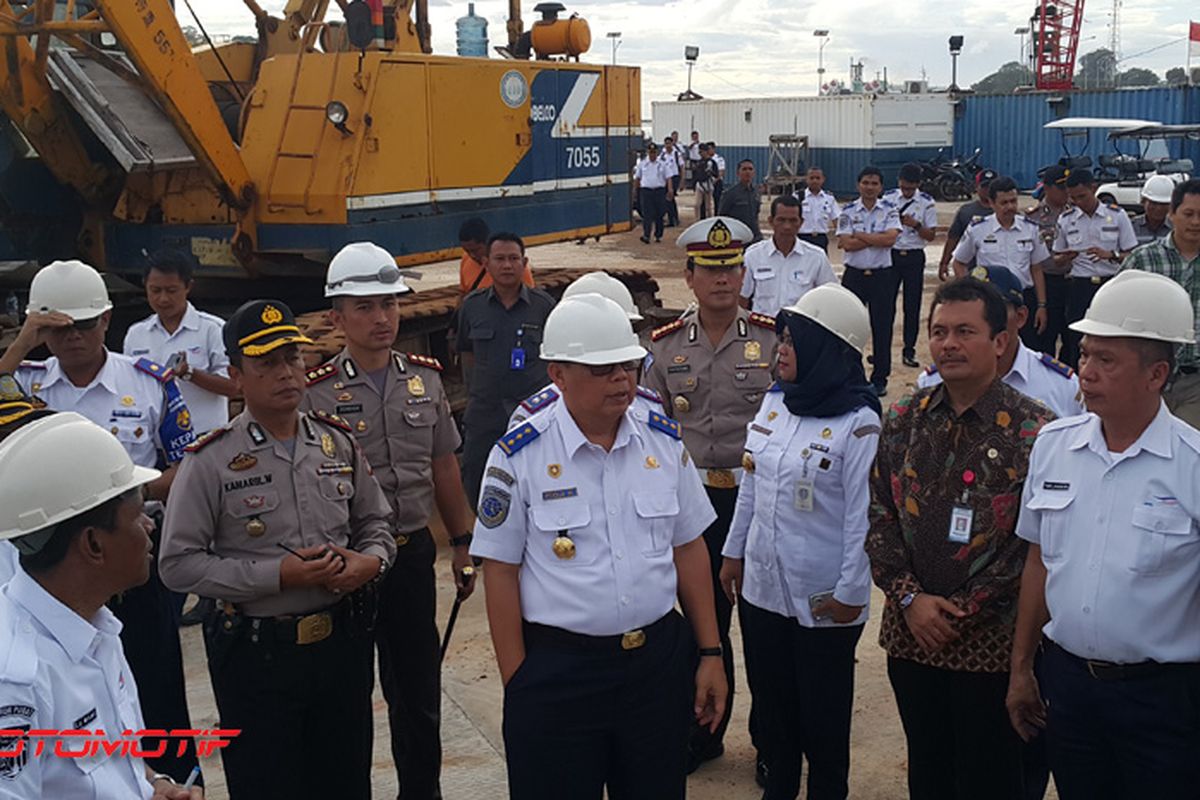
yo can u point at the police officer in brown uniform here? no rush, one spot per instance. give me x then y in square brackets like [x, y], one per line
[401, 419]
[711, 367]
[278, 517]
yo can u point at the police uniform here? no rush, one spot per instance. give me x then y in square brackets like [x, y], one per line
[1120, 670]
[61, 672]
[289, 667]
[1108, 227]
[139, 402]
[504, 344]
[644, 401]
[1017, 248]
[775, 279]
[1145, 234]
[401, 428]
[1046, 218]
[818, 214]
[799, 528]
[870, 275]
[604, 695]
[908, 256]
[714, 392]
[199, 336]
[1037, 375]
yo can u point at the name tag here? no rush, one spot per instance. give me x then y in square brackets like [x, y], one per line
[961, 521]
[517, 359]
[803, 499]
[1055, 486]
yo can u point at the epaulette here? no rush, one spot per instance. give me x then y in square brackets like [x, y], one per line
[1115, 207]
[664, 424]
[517, 438]
[1056, 365]
[926, 195]
[424, 361]
[203, 441]
[332, 420]
[537, 402]
[775, 387]
[931, 369]
[33, 365]
[663, 330]
[762, 320]
[318, 374]
[650, 395]
[157, 371]
[977, 220]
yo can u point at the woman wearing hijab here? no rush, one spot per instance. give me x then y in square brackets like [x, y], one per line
[795, 549]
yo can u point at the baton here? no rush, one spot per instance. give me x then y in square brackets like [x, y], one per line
[466, 574]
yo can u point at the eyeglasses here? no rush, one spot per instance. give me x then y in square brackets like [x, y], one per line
[388, 273]
[86, 324]
[785, 339]
[600, 370]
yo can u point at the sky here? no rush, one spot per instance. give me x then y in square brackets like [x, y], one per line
[764, 48]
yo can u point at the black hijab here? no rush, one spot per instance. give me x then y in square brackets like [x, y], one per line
[830, 380]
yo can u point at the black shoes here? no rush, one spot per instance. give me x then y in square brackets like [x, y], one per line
[645, 239]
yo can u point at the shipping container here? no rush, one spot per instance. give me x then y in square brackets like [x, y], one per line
[844, 132]
[1009, 129]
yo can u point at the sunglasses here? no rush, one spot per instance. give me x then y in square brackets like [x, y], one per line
[86, 324]
[600, 370]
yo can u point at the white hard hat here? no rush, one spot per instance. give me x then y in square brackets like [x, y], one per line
[590, 329]
[69, 287]
[606, 285]
[837, 310]
[58, 467]
[361, 269]
[1158, 189]
[1141, 305]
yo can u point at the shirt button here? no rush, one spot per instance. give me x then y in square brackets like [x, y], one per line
[625, 600]
[562, 520]
[612, 510]
[1100, 519]
[620, 556]
[1087, 609]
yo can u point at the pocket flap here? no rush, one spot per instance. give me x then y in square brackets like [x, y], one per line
[561, 515]
[1046, 500]
[656, 504]
[1163, 519]
[337, 487]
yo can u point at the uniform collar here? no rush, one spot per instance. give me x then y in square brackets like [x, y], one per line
[350, 373]
[809, 192]
[985, 407]
[106, 377]
[740, 329]
[74, 633]
[190, 320]
[257, 437]
[1023, 363]
[796, 247]
[1156, 439]
[522, 295]
[573, 438]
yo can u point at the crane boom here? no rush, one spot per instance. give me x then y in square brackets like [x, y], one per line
[1057, 25]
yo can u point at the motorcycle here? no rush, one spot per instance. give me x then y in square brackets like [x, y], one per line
[956, 179]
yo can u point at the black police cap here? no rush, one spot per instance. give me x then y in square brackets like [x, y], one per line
[260, 326]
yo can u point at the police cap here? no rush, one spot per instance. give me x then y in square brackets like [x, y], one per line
[259, 327]
[1005, 281]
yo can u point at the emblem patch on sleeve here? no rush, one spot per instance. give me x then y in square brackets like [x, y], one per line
[493, 506]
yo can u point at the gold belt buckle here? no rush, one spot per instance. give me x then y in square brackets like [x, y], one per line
[401, 539]
[314, 628]
[1096, 279]
[633, 640]
[868, 272]
[721, 479]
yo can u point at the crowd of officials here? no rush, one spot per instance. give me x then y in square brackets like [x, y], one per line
[1033, 525]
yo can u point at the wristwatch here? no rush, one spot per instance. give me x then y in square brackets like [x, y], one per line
[462, 541]
[715, 652]
[907, 600]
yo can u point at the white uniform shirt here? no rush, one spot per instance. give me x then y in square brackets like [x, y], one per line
[1120, 538]
[670, 159]
[922, 207]
[198, 335]
[122, 399]
[719, 161]
[1016, 249]
[645, 401]
[9, 562]
[62, 672]
[625, 510]
[1035, 375]
[818, 211]
[1108, 228]
[693, 151]
[856, 218]
[777, 280]
[792, 553]
[651, 174]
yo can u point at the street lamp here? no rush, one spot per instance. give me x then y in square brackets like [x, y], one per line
[1022, 32]
[615, 36]
[823, 35]
[956, 44]
[690, 53]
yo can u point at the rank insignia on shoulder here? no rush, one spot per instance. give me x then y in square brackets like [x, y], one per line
[33, 365]
[650, 394]
[207, 439]
[156, 371]
[667, 329]
[318, 374]
[664, 424]
[865, 430]
[1056, 365]
[931, 369]
[517, 438]
[535, 403]
[330, 419]
[424, 361]
[762, 320]
[774, 387]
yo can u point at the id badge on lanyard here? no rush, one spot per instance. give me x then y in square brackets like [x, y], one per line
[962, 516]
[517, 356]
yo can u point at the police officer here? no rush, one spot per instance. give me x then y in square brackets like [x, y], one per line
[1006, 239]
[1154, 222]
[1111, 585]
[820, 210]
[866, 231]
[644, 400]
[71, 503]
[590, 521]
[1033, 374]
[918, 221]
[795, 549]
[499, 333]
[1093, 238]
[277, 516]
[401, 418]
[139, 403]
[1054, 275]
[711, 367]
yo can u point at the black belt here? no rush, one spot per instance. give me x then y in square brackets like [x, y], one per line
[1098, 280]
[301, 629]
[536, 633]
[1108, 671]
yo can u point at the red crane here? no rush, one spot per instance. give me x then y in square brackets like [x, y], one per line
[1056, 38]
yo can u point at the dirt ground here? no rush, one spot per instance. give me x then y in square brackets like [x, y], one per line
[473, 748]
